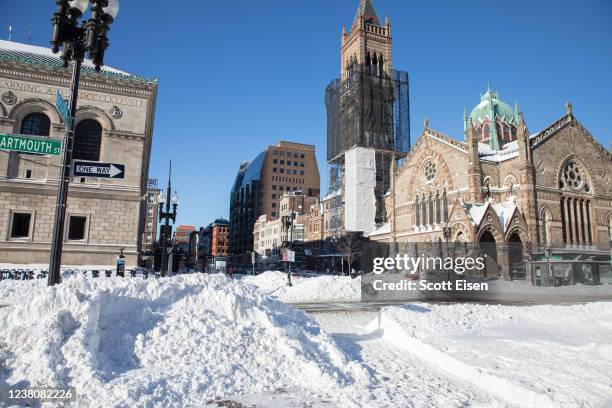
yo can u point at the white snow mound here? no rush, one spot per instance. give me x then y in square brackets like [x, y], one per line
[178, 341]
[325, 288]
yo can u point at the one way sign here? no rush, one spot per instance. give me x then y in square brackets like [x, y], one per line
[96, 169]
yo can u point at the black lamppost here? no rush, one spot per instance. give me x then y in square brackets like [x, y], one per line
[167, 216]
[447, 230]
[76, 39]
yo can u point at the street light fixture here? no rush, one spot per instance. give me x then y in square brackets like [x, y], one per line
[167, 215]
[90, 37]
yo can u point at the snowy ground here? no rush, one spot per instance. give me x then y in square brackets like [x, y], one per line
[540, 356]
[318, 289]
[207, 340]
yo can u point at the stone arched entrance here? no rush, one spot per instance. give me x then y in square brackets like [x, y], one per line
[515, 257]
[488, 247]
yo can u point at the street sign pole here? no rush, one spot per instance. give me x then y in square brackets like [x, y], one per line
[64, 178]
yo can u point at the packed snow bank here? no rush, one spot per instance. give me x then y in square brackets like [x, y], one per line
[307, 289]
[164, 342]
[536, 356]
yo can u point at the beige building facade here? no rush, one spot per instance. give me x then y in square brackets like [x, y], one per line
[114, 124]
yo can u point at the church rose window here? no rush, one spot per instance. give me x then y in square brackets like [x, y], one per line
[573, 177]
[429, 171]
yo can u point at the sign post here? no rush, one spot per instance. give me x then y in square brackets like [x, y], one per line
[95, 169]
[253, 261]
[30, 144]
[288, 257]
[62, 107]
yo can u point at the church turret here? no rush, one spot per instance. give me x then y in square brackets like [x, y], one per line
[367, 13]
[368, 43]
[494, 120]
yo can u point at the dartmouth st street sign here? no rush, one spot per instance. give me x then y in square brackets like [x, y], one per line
[96, 169]
[30, 144]
[62, 107]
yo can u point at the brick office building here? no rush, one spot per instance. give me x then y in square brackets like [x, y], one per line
[280, 168]
[114, 123]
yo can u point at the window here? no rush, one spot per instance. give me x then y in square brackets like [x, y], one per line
[282, 170]
[273, 205]
[295, 155]
[301, 164]
[274, 213]
[282, 162]
[76, 228]
[429, 171]
[273, 186]
[275, 161]
[87, 140]
[273, 169]
[302, 156]
[275, 152]
[301, 172]
[20, 226]
[273, 196]
[36, 124]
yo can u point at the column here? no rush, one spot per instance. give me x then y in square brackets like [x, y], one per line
[563, 220]
[583, 223]
[568, 221]
[576, 221]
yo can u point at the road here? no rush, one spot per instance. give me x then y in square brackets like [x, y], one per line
[355, 307]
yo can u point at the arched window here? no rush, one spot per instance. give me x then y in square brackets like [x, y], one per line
[438, 208]
[35, 124]
[444, 207]
[430, 210]
[417, 212]
[424, 211]
[87, 139]
[485, 132]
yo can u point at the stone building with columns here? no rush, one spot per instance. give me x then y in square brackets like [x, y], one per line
[114, 123]
[536, 199]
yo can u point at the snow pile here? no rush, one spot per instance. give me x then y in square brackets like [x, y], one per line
[325, 288]
[537, 356]
[165, 342]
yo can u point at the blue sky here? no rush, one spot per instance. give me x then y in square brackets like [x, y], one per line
[237, 76]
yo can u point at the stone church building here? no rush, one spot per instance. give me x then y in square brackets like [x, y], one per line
[536, 199]
[114, 124]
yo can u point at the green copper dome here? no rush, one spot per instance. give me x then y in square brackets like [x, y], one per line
[491, 106]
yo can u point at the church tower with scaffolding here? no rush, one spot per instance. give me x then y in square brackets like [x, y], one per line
[368, 126]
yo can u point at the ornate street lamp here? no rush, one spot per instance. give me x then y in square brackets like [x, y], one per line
[76, 39]
[167, 215]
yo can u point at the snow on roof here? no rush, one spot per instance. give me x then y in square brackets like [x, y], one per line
[332, 194]
[381, 229]
[504, 212]
[477, 211]
[36, 55]
[508, 151]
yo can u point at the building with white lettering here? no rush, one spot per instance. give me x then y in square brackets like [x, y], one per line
[114, 124]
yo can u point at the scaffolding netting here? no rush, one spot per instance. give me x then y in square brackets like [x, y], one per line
[368, 110]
